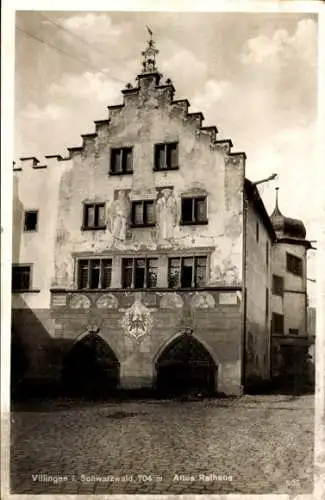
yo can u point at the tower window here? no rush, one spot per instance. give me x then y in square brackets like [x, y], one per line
[277, 285]
[294, 265]
[277, 323]
[166, 156]
[30, 222]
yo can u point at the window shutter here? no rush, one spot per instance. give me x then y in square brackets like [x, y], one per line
[201, 209]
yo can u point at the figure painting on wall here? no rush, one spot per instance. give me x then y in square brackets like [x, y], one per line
[119, 216]
[166, 214]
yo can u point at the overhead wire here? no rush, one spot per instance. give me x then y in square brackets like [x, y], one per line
[67, 54]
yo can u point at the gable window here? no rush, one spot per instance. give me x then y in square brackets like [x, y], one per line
[187, 272]
[194, 210]
[277, 323]
[94, 273]
[21, 277]
[94, 216]
[277, 285]
[139, 273]
[30, 222]
[166, 156]
[121, 161]
[143, 213]
[294, 265]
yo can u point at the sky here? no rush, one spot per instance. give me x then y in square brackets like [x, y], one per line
[253, 75]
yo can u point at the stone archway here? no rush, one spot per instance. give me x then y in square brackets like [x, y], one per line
[91, 368]
[185, 366]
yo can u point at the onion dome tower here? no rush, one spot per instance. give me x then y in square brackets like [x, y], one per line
[287, 228]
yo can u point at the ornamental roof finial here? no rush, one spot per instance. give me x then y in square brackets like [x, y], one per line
[149, 54]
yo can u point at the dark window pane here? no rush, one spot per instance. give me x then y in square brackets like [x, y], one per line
[267, 253]
[160, 156]
[277, 323]
[277, 285]
[90, 216]
[201, 271]
[187, 272]
[127, 160]
[152, 273]
[83, 274]
[257, 232]
[116, 160]
[21, 277]
[172, 159]
[100, 215]
[201, 209]
[174, 273]
[127, 271]
[149, 212]
[267, 303]
[94, 273]
[139, 277]
[106, 273]
[30, 220]
[137, 213]
[187, 210]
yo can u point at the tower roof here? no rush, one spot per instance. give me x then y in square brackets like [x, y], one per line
[286, 227]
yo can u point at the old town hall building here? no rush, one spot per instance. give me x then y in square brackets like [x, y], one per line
[146, 260]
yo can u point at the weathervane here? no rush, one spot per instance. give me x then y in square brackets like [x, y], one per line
[149, 61]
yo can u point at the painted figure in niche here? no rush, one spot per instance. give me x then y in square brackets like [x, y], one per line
[119, 216]
[166, 214]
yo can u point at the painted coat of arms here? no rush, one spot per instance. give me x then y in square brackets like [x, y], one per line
[137, 321]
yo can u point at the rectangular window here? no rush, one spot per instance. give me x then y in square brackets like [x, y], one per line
[30, 222]
[277, 323]
[139, 273]
[294, 265]
[293, 331]
[21, 277]
[187, 272]
[121, 161]
[94, 273]
[166, 156]
[257, 232]
[277, 285]
[143, 213]
[267, 250]
[94, 216]
[194, 210]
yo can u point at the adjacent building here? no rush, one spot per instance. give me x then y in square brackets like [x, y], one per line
[146, 259]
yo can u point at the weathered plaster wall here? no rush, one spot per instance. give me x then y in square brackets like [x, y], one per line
[36, 189]
[295, 287]
[258, 280]
[149, 117]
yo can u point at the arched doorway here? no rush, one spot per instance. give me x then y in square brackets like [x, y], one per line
[185, 366]
[91, 369]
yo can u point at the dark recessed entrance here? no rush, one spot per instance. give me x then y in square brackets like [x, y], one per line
[91, 369]
[185, 367]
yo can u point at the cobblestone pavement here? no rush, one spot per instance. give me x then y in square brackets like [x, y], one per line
[253, 444]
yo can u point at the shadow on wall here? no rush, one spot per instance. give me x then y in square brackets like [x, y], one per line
[36, 357]
[17, 220]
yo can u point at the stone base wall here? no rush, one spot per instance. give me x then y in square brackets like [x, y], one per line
[138, 327]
